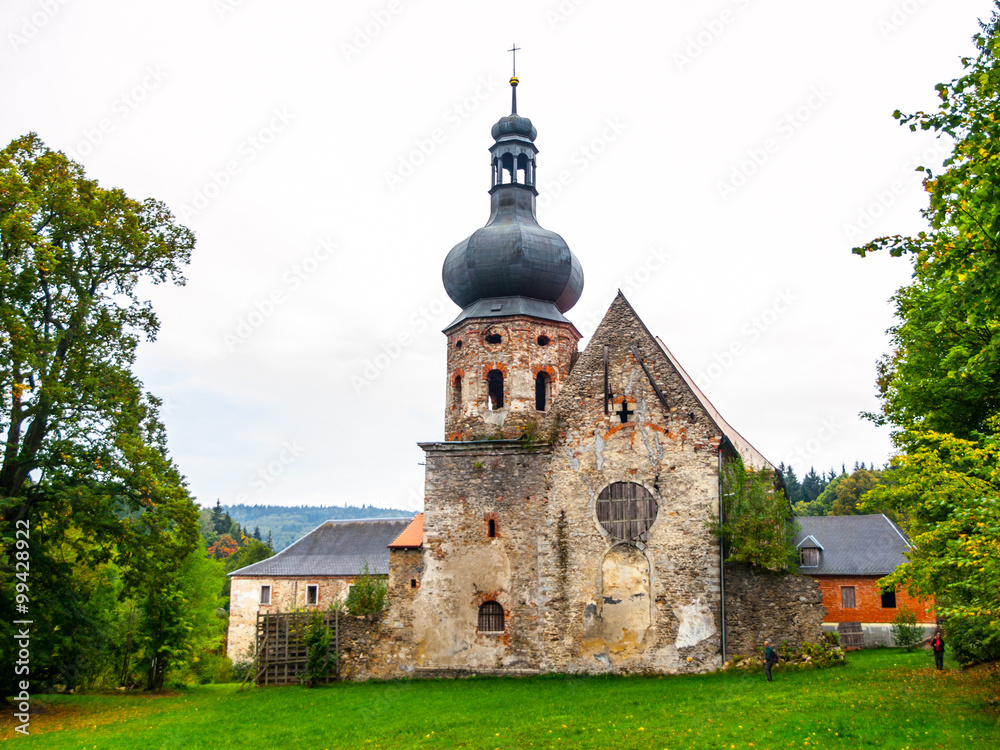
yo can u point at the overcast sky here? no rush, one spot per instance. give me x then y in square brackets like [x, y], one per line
[717, 161]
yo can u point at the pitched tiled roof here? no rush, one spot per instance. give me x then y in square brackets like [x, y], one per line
[334, 548]
[853, 545]
[751, 455]
[412, 536]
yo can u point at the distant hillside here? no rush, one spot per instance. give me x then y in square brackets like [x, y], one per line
[286, 523]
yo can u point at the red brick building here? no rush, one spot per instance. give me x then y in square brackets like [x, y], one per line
[847, 555]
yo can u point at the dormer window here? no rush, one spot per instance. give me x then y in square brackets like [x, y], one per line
[808, 557]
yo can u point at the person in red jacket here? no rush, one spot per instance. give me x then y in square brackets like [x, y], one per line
[937, 643]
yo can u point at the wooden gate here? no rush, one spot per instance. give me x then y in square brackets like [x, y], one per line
[851, 635]
[281, 648]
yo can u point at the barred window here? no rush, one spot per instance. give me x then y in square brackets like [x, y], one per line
[312, 594]
[626, 510]
[491, 617]
[847, 597]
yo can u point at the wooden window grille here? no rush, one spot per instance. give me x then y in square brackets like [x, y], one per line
[312, 594]
[265, 594]
[889, 600]
[847, 597]
[626, 510]
[809, 557]
[491, 617]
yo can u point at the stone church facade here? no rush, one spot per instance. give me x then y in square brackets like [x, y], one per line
[566, 512]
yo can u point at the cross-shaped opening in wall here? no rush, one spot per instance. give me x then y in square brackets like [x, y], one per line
[624, 413]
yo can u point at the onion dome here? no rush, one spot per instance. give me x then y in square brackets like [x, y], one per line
[512, 256]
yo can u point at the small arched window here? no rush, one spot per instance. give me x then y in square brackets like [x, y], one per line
[491, 618]
[494, 385]
[542, 391]
[456, 391]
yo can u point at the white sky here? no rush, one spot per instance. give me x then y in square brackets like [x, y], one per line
[277, 130]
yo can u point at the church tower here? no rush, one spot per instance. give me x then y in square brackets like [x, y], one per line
[511, 348]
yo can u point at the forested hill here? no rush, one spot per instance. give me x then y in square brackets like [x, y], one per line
[286, 523]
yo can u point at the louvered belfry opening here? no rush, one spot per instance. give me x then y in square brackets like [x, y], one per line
[490, 617]
[626, 510]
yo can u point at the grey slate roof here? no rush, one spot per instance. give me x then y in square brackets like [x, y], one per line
[853, 545]
[334, 548]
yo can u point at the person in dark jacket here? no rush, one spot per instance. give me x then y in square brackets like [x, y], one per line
[937, 643]
[770, 658]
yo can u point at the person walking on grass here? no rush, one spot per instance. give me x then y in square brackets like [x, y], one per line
[937, 643]
[770, 657]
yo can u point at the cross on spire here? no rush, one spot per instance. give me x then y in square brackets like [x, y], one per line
[514, 49]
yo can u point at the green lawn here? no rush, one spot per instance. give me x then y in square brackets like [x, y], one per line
[881, 699]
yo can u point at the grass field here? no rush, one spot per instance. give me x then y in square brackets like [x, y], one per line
[881, 699]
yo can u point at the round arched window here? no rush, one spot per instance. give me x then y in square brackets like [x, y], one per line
[626, 510]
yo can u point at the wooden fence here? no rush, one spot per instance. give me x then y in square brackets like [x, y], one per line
[281, 652]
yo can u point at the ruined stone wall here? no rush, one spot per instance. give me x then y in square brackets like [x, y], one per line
[652, 603]
[520, 357]
[287, 593]
[773, 606]
[467, 486]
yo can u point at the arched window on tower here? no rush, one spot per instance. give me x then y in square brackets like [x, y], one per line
[494, 385]
[491, 617]
[542, 391]
[456, 391]
[522, 170]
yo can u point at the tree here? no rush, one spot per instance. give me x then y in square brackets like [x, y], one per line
[757, 526]
[367, 594]
[905, 631]
[84, 454]
[940, 384]
[812, 485]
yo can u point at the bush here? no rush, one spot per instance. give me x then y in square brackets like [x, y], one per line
[211, 668]
[319, 659]
[807, 656]
[905, 631]
[368, 593]
[972, 640]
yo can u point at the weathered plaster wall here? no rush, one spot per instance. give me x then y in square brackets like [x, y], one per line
[672, 451]
[287, 593]
[468, 484]
[777, 607]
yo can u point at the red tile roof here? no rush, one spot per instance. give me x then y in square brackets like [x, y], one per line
[412, 536]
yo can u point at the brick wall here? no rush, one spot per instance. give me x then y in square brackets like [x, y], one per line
[868, 601]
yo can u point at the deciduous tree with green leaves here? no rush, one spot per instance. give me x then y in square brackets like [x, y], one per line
[940, 385]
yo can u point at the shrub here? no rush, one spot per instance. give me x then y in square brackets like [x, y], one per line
[319, 659]
[905, 631]
[972, 639]
[368, 593]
